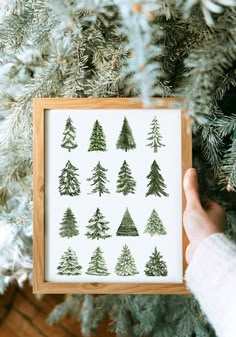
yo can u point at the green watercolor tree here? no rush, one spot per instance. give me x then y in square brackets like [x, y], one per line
[154, 225]
[97, 228]
[68, 141]
[156, 266]
[97, 139]
[68, 227]
[126, 140]
[155, 136]
[156, 185]
[97, 265]
[125, 182]
[68, 180]
[125, 263]
[99, 180]
[69, 264]
[127, 226]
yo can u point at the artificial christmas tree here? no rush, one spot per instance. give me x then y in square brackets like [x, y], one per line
[97, 139]
[99, 180]
[154, 225]
[156, 185]
[97, 264]
[155, 136]
[97, 228]
[156, 266]
[68, 227]
[126, 140]
[69, 264]
[125, 182]
[127, 226]
[68, 180]
[69, 133]
[126, 264]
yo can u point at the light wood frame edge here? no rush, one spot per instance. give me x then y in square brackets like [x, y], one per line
[39, 284]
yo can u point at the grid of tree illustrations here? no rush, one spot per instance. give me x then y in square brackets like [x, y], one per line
[100, 189]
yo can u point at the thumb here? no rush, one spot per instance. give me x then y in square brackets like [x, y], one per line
[191, 189]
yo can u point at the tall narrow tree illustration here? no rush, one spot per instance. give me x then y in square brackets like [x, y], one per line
[156, 185]
[156, 266]
[69, 133]
[68, 180]
[155, 136]
[154, 225]
[97, 139]
[97, 228]
[99, 179]
[69, 264]
[97, 264]
[126, 264]
[127, 226]
[68, 227]
[126, 140]
[125, 182]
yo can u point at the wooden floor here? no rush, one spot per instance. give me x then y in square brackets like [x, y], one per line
[22, 315]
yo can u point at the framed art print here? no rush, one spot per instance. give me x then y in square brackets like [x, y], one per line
[108, 195]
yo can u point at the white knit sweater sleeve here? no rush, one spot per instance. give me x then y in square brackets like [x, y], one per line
[211, 276]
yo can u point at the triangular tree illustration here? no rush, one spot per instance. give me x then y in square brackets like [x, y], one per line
[69, 264]
[97, 228]
[156, 266]
[68, 180]
[156, 185]
[127, 226]
[126, 264]
[125, 182]
[154, 135]
[68, 227]
[126, 140]
[97, 264]
[99, 180]
[69, 133]
[154, 225]
[97, 139]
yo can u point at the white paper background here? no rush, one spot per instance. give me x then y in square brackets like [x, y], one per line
[114, 204]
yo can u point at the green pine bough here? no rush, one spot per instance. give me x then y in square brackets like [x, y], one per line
[68, 180]
[126, 140]
[126, 264]
[156, 266]
[125, 182]
[99, 179]
[127, 226]
[97, 139]
[69, 133]
[97, 228]
[69, 264]
[155, 225]
[156, 185]
[97, 264]
[68, 227]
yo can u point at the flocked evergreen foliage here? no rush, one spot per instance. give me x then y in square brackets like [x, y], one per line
[126, 140]
[68, 226]
[155, 225]
[69, 264]
[156, 266]
[154, 135]
[68, 180]
[97, 227]
[127, 226]
[69, 135]
[126, 265]
[156, 185]
[99, 179]
[97, 139]
[97, 265]
[125, 182]
[115, 49]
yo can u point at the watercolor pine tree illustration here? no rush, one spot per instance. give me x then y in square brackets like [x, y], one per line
[97, 228]
[69, 264]
[156, 266]
[125, 182]
[154, 225]
[69, 133]
[155, 135]
[126, 264]
[126, 140]
[68, 180]
[97, 139]
[127, 226]
[97, 264]
[68, 227]
[156, 185]
[99, 180]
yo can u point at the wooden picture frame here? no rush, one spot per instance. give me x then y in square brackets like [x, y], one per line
[41, 106]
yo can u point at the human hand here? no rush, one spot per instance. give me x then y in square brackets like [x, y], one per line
[201, 218]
